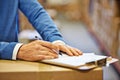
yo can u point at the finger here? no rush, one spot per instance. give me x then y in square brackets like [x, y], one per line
[38, 47]
[41, 57]
[65, 49]
[47, 53]
[50, 50]
[48, 44]
[78, 51]
[74, 52]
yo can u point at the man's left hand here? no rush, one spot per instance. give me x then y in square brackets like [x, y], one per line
[68, 49]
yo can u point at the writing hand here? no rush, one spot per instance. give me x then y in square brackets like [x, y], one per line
[37, 50]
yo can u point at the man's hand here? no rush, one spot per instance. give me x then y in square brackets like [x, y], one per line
[37, 50]
[68, 49]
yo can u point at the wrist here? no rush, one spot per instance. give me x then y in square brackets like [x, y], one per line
[58, 42]
[15, 51]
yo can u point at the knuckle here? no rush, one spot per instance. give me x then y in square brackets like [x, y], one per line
[41, 58]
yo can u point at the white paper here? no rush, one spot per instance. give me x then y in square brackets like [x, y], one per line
[76, 60]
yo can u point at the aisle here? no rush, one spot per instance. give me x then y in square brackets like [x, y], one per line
[77, 35]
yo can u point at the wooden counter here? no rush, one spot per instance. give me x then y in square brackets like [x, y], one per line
[23, 70]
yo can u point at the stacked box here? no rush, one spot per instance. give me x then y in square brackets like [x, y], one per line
[84, 11]
[119, 44]
[105, 24]
[75, 10]
[24, 23]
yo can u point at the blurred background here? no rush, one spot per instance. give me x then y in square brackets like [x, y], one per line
[89, 25]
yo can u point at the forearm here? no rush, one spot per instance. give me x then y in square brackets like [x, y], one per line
[40, 19]
[15, 51]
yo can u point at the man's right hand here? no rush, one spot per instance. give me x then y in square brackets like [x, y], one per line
[37, 50]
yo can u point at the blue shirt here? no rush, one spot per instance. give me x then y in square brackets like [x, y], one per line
[9, 24]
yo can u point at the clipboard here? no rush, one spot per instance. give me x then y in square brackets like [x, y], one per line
[86, 61]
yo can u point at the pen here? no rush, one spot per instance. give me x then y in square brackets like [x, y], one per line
[58, 52]
[37, 38]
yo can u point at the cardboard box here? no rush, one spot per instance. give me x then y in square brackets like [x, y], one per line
[23, 70]
[105, 24]
[24, 23]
